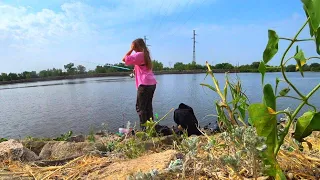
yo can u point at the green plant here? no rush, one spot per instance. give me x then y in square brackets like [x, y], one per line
[132, 148]
[230, 113]
[150, 125]
[107, 146]
[91, 137]
[64, 137]
[264, 115]
[3, 139]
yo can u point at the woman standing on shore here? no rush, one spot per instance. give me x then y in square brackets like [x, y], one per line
[145, 79]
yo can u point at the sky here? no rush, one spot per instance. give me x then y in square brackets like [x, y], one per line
[37, 34]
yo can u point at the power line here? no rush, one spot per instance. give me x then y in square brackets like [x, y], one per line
[190, 16]
[166, 14]
[154, 24]
[179, 14]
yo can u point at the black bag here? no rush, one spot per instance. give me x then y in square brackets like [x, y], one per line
[163, 130]
[184, 116]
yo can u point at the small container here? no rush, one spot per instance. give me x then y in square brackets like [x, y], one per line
[123, 130]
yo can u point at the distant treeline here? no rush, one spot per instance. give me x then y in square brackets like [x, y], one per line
[71, 70]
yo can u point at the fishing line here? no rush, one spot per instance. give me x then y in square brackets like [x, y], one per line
[110, 65]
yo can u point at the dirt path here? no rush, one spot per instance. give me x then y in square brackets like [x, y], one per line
[120, 170]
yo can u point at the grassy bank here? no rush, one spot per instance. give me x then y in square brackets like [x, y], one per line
[142, 156]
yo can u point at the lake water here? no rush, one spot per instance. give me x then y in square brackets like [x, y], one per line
[55, 107]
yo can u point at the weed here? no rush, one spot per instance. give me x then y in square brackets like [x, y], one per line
[3, 139]
[64, 137]
[91, 137]
[132, 148]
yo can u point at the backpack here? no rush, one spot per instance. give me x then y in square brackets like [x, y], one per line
[184, 116]
[163, 130]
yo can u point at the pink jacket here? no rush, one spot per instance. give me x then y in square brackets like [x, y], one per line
[143, 75]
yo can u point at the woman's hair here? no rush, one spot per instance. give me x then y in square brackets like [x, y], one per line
[140, 45]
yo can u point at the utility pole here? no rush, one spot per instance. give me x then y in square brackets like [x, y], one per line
[145, 40]
[194, 46]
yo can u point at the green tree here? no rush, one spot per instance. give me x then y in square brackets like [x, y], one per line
[81, 69]
[179, 66]
[26, 74]
[43, 73]
[157, 66]
[91, 72]
[5, 77]
[70, 68]
[315, 67]
[291, 68]
[33, 74]
[255, 65]
[13, 76]
[100, 69]
[306, 67]
[224, 66]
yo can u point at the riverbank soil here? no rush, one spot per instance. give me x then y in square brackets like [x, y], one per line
[171, 157]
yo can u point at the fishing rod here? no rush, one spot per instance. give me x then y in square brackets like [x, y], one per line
[111, 65]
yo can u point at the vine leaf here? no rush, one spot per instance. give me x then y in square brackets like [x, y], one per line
[301, 60]
[265, 124]
[284, 91]
[308, 122]
[262, 69]
[311, 8]
[272, 46]
[269, 99]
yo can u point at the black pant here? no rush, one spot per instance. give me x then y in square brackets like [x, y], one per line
[144, 103]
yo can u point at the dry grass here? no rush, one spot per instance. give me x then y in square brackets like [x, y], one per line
[301, 165]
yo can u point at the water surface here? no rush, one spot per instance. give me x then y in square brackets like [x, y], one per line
[55, 107]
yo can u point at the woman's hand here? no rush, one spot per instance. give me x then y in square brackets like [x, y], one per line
[129, 52]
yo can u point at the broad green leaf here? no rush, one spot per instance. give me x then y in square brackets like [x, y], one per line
[269, 98]
[284, 91]
[312, 8]
[318, 41]
[301, 60]
[272, 46]
[262, 69]
[308, 122]
[209, 86]
[310, 27]
[265, 124]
